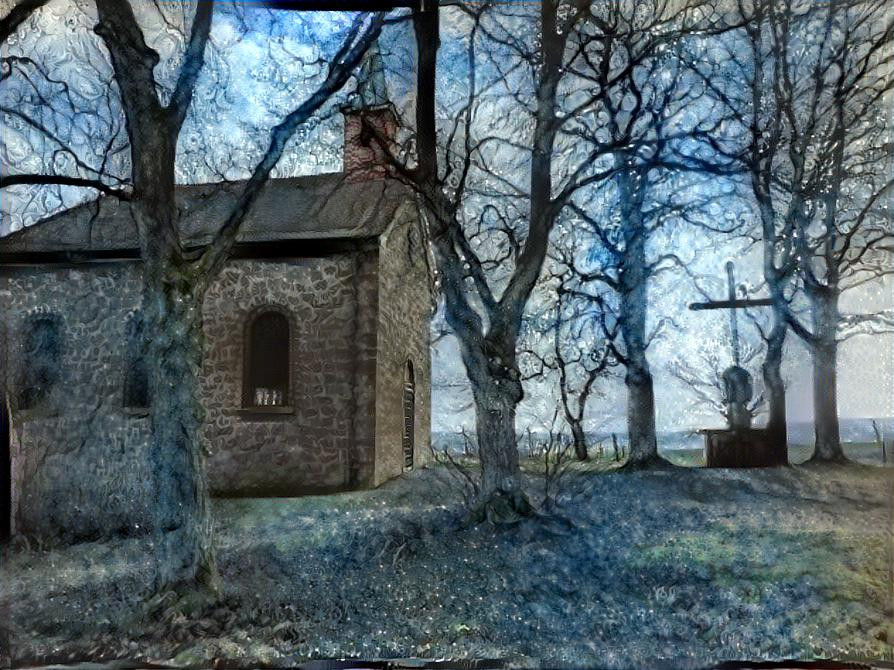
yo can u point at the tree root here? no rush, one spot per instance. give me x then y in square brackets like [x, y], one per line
[188, 600]
[502, 507]
[839, 459]
[654, 463]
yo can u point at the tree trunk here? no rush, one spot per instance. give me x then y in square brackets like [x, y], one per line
[824, 350]
[633, 278]
[502, 497]
[573, 419]
[641, 415]
[825, 404]
[183, 552]
[495, 422]
[775, 386]
[580, 440]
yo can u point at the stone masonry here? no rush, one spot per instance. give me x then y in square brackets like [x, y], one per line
[340, 256]
[78, 460]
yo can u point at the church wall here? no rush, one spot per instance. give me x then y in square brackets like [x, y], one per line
[311, 449]
[364, 341]
[404, 315]
[78, 459]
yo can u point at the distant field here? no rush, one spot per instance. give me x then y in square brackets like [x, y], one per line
[870, 454]
[685, 447]
[694, 457]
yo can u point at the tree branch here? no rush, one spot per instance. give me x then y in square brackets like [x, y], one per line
[343, 65]
[193, 60]
[62, 180]
[18, 15]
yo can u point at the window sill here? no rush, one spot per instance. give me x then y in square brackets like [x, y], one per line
[34, 414]
[136, 411]
[266, 409]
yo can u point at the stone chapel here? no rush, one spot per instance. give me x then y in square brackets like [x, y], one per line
[316, 373]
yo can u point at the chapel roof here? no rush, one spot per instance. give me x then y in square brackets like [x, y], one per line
[318, 207]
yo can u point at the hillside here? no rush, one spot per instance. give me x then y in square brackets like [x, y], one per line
[713, 564]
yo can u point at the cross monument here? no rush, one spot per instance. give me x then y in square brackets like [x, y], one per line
[738, 388]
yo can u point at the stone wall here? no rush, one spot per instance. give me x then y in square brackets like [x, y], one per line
[79, 458]
[313, 449]
[403, 335]
[79, 466]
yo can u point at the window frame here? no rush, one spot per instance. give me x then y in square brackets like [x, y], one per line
[246, 404]
[44, 401]
[410, 382]
[134, 320]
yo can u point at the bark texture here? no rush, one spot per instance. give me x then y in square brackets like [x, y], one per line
[579, 440]
[766, 137]
[775, 386]
[824, 350]
[183, 552]
[632, 287]
[175, 279]
[488, 338]
[495, 422]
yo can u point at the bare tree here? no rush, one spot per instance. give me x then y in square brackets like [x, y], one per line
[761, 123]
[765, 132]
[487, 337]
[486, 295]
[816, 73]
[175, 278]
[650, 109]
[839, 179]
[830, 71]
[586, 363]
[575, 355]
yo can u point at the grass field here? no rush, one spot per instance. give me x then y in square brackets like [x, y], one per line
[684, 567]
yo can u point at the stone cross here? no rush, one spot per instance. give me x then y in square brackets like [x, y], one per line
[736, 380]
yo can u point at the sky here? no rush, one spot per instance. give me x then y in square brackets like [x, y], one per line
[259, 66]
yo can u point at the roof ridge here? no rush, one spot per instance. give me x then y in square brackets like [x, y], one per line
[324, 205]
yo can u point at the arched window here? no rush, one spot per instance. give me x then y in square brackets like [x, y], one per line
[136, 374]
[41, 361]
[409, 436]
[266, 370]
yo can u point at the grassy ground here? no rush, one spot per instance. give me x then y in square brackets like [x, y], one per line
[690, 565]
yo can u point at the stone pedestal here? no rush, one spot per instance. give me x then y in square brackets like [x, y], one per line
[742, 448]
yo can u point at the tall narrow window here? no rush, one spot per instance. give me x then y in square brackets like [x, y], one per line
[266, 370]
[136, 375]
[41, 361]
[5, 471]
[409, 436]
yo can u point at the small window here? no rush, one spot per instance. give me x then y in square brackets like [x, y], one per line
[266, 371]
[41, 360]
[136, 374]
[409, 434]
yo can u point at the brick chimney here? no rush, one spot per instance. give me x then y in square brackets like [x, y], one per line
[368, 114]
